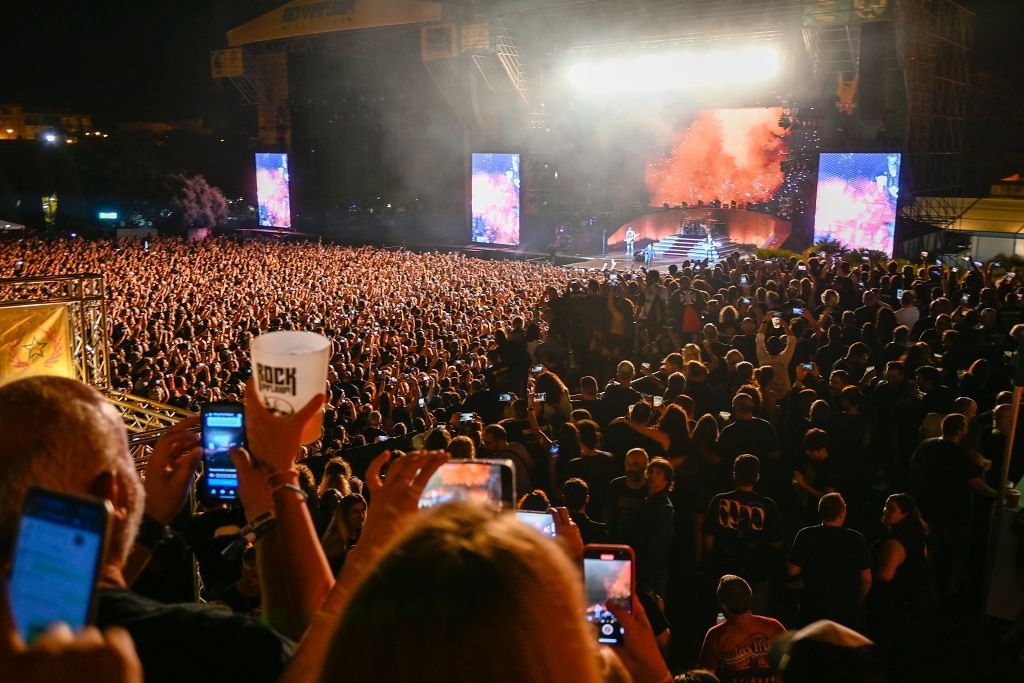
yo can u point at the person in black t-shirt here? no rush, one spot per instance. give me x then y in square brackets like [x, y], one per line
[596, 467]
[626, 493]
[576, 494]
[742, 529]
[620, 395]
[946, 480]
[835, 565]
[816, 472]
[747, 434]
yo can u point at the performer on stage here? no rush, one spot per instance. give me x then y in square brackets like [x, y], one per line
[648, 255]
[630, 238]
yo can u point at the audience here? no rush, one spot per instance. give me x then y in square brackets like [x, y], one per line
[755, 423]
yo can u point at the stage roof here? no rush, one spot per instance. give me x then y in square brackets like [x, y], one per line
[986, 214]
[310, 17]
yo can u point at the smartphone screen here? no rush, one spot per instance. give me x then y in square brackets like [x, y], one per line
[57, 560]
[422, 402]
[798, 311]
[543, 522]
[491, 482]
[608, 576]
[536, 369]
[505, 398]
[223, 429]
[656, 401]
[809, 367]
[743, 279]
[553, 450]
[465, 417]
[899, 294]
[540, 398]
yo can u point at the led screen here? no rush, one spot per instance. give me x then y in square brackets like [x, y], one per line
[496, 198]
[272, 190]
[857, 195]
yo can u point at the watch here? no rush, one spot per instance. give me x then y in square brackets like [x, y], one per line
[151, 532]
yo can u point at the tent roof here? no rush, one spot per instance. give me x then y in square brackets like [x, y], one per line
[987, 214]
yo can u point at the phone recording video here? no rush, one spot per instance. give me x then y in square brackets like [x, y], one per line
[466, 417]
[608, 576]
[505, 398]
[57, 560]
[543, 522]
[490, 482]
[223, 427]
[540, 398]
[798, 311]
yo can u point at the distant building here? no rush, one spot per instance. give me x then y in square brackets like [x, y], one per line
[22, 122]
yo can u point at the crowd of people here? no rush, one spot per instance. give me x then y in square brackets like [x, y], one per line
[803, 444]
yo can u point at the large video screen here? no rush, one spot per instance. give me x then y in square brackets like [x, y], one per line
[857, 195]
[272, 193]
[496, 198]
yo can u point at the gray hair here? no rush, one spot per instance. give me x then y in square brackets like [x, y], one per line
[61, 434]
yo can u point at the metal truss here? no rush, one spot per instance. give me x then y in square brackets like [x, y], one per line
[145, 420]
[84, 297]
[934, 39]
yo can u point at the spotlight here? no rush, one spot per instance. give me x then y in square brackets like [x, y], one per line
[50, 137]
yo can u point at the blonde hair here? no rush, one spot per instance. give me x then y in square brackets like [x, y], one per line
[466, 596]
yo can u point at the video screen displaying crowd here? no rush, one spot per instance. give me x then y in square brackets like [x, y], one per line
[812, 444]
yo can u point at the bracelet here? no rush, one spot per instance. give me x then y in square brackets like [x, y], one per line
[249, 534]
[290, 487]
[293, 475]
[151, 532]
[255, 521]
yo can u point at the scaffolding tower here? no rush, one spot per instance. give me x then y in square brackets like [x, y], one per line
[934, 40]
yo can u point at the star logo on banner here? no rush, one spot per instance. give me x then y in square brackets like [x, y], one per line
[36, 348]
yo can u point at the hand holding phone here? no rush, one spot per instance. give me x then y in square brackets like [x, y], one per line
[223, 426]
[58, 556]
[609, 576]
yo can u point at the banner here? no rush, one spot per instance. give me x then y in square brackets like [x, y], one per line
[841, 12]
[35, 340]
[309, 17]
[227, 63]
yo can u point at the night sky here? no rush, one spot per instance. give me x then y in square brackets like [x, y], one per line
[149, 60]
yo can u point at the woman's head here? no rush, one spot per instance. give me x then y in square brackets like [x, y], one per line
[462, 448]
[901, 508]
[467, 596]
[336, 476]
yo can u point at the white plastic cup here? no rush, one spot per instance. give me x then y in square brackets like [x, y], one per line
[290, 368]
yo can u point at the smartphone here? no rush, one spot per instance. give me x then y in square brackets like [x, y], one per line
[543, 522]
[505, 398]
[965, 298]
[899, 294]
[776, 321]
[491, 482]
[422, 402]
[540, 398]
[466, 417]
[798, 311]
[58, 555]
[382, 438]
[743, 279]
[223, 426]
[609, 575]
[536, 369]
[656, 401]
[613, 276]
[745, 300]
[553, 450]
[801, 267]
[809, 367]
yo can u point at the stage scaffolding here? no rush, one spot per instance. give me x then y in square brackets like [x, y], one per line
[934, 39]
[145, 420]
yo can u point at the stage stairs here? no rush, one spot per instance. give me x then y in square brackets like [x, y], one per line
[683, 247]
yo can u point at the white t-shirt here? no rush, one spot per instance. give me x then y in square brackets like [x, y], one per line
[908, 316]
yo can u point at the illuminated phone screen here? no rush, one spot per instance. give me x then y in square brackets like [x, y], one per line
[607, 580]
[56, 562]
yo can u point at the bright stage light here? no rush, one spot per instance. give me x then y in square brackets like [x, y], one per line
[717, 67]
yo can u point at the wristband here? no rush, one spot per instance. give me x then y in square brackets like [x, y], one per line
[151, 532]
[290, 487]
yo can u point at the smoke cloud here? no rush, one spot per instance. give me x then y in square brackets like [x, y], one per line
[725, 154]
